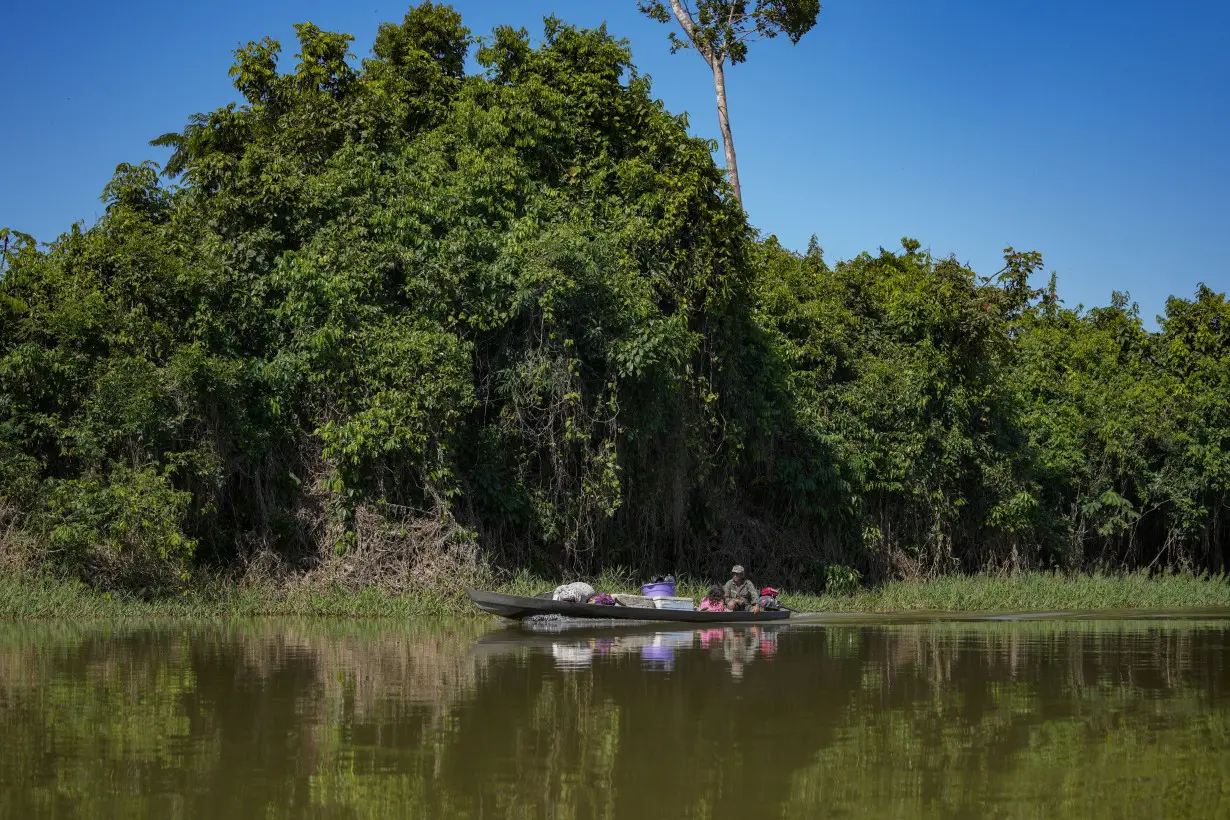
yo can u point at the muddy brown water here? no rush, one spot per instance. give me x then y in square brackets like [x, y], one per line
[1115, 717]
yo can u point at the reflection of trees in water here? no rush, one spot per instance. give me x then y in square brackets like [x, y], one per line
[294, 718]
[1059, 659]
[1047, 719]
[98, 718]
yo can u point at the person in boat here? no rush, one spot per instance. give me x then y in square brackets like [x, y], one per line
[740, 593]
[713, 600]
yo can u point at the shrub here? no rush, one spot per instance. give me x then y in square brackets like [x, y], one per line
[125, 531]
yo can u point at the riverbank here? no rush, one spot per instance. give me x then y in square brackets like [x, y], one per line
[1032, 592]
[37, 598]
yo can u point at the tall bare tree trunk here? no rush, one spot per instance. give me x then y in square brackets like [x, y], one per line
[728, 141]
[715, 59]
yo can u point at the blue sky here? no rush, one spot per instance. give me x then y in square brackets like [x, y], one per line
[1093, 132]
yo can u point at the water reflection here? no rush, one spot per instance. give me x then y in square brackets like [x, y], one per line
[738, 646]
[336, 719]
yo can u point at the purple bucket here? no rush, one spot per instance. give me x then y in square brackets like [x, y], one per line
[658, 590]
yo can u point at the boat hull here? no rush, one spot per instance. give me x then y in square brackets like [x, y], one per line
[517, 607]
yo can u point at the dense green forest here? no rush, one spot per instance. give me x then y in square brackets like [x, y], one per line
[394, 323]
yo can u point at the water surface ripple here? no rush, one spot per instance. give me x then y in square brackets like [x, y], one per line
[1081, 717]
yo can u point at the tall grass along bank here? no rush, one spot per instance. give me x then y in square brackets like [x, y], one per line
[30, 597]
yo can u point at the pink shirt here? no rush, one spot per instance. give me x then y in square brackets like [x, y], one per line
[711, 606]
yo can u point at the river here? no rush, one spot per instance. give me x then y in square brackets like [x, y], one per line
[1084, 718]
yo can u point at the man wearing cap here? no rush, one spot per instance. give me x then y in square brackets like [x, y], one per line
[739, 592]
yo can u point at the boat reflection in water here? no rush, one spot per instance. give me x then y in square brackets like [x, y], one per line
[580, 648]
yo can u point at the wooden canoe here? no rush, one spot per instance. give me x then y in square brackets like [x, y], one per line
[517, 607]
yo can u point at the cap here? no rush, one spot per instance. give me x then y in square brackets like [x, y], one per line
[737, 569]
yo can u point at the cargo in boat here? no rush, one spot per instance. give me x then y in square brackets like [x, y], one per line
[517, 607]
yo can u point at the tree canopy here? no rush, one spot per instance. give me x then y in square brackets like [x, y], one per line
[397, 322]
[722, 29]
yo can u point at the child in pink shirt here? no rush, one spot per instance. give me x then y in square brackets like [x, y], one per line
[712, 602]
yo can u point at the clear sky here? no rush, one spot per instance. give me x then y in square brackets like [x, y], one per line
[1094, 132]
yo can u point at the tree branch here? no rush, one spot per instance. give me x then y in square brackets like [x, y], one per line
[745, 36]
[730, 24]
[684, 15]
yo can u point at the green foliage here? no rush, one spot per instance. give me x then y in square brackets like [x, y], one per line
[125, 532]
[978, 422]
[398, 285]
[522, 300]
[895, 363]
[723, 28]
[840, 580]
[1131, 429]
